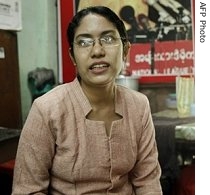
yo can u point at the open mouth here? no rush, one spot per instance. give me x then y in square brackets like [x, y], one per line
[99, 66]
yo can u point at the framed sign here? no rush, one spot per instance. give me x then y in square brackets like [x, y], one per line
[10, 15]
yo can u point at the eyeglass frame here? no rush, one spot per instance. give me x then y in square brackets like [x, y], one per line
[90, 42]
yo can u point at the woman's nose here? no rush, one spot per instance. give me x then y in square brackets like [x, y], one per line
[97, 49]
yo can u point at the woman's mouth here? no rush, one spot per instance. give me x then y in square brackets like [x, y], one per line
[99, 68]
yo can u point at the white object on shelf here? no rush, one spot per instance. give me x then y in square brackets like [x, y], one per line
[185, 131]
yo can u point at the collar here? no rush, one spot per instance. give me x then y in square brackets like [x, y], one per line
[84, 102]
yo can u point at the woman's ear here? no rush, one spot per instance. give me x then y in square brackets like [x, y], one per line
[72, 57]
[126, 50]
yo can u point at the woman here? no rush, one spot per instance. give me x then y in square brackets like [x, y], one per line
[90, 136]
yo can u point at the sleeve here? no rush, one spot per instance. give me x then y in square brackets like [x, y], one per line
[34, 154]
[146, 174]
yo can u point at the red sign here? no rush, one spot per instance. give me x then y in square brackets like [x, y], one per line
[170, 58]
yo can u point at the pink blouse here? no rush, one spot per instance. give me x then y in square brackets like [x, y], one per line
[62, 152]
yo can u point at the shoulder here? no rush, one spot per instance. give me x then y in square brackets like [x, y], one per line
[58, 98]
[56, 95]
[135, 107]
[133, 102]
[132, 95]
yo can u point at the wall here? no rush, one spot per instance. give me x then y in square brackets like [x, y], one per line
[37, 43]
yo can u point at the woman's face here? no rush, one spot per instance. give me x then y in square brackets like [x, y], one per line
[98, 51]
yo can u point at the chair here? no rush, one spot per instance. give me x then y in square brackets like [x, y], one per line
[6, 177]
[40, 81]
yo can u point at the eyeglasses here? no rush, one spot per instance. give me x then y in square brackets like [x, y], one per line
[105, 41]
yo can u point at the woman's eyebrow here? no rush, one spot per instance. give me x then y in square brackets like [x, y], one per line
[83, 35]
[108, 32]
[90, 35]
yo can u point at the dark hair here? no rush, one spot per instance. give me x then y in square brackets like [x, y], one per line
[100, 10]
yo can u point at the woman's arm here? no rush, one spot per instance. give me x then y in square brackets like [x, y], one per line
[146, 173]
[34, 154]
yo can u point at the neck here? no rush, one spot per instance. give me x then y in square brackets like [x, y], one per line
[99, 95]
